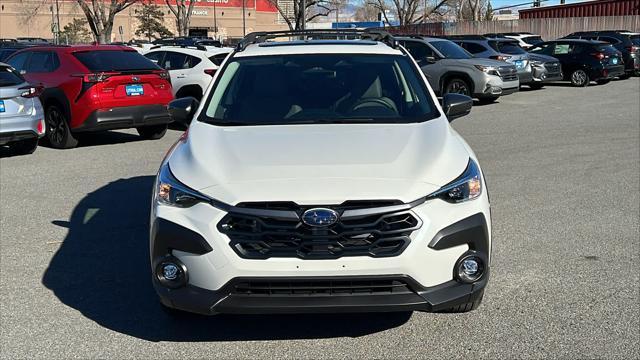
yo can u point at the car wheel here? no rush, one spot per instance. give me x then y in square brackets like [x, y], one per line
[466, 307]
[24, 147]
[536, 86]
[579, 78]
[58, 132]
[457, 86]
[153, 132]
[602, 82]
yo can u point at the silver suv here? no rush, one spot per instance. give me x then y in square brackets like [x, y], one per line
[451, 69]
[21, 114]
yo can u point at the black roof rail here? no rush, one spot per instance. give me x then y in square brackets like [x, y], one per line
[466, 37]
[325, 34]
[495, 35]
[196, 47]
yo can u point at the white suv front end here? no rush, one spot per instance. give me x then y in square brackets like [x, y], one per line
[350, 195]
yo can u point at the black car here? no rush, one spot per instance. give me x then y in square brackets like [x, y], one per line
[622, 41]
[584, 61]
[9, 47]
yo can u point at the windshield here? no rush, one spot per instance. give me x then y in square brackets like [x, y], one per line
[451, 50]
[9, 77]
[307, 89]
[114, 60]
[533, 40]
[507, 47]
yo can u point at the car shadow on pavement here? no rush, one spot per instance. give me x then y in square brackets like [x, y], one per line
[102, 270]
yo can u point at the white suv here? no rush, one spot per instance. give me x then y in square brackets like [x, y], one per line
[191, 68]
[320, 176]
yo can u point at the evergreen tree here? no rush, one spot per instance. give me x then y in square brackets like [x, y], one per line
[151, 19]
[75, 32]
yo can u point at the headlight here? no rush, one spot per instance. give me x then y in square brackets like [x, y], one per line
[467, 186]
[488, 69]
[537, 63]
[170, 191]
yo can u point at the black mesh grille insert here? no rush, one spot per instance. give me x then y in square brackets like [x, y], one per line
[320, 287]
[258, 237]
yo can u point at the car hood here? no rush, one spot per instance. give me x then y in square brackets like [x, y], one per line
[485, 62]
[541, 57]
[319, 164]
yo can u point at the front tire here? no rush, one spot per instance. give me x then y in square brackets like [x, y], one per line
[24, 147]
[59, 134]
[153, 132]
[457, 86]
[579, 78]
[536, 86]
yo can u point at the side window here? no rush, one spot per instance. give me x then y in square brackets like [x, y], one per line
[18, 61]
[193, 61]
[175, 61]
[418, 50]
[218, 58]
[43, 62]
[576, 48]
[609, 39]
[561, 49]
[540, 49]
[475, 48]
[156, 57]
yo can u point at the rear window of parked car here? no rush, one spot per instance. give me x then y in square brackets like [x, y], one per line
[114, 60]
[9, 77]
[507, 47]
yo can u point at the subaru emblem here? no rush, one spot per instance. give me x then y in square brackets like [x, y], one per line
[320, 217]
[135, 78]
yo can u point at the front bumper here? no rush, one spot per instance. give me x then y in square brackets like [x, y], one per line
[125, 117]
[227, 300]
[542, 74]
[426, 265]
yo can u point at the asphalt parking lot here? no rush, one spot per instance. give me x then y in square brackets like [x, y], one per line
[562, 165]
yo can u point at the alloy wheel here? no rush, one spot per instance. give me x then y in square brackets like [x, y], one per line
[579, 77]
[457, 86]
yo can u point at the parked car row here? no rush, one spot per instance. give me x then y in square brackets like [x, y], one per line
[492, 65]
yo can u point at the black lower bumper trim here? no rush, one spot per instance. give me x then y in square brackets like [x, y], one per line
[125, 117]
[13, 136]
[471, 230]
[208, 302]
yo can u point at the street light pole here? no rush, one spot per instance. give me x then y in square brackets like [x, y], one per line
[215, 20]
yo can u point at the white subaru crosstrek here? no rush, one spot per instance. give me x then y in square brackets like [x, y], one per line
[320, 175]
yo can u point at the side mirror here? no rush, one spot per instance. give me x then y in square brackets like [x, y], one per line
[430, 59]
[22, 72]
[456, 105]
[182, 110]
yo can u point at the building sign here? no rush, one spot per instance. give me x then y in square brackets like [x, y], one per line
[258, 5]
[198, 12]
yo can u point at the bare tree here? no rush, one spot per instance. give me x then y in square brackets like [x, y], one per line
[312, 9]
[100, 15]
[407, 11]
[366, 12]
[182, 12]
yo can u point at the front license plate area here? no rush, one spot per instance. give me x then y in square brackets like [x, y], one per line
[134, 90]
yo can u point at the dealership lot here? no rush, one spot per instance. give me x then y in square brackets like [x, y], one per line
[562, 165]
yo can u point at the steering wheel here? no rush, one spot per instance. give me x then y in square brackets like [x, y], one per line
[375, 102]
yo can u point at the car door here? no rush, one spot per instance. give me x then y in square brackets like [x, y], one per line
[178, 65]
[40, 69]
[566, 52]
[426, 59]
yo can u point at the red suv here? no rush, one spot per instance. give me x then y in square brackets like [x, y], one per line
[93, 88]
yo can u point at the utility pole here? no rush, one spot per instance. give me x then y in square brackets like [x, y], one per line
[58, 20]
[215, 20]
[244, 25]
[304, 14]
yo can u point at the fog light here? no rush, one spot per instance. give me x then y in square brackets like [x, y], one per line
[469, 268]
[171, 272]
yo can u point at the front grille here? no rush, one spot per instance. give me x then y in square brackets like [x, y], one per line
[552, 67]
[320, 287]
[261, 237]
[508, 73]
